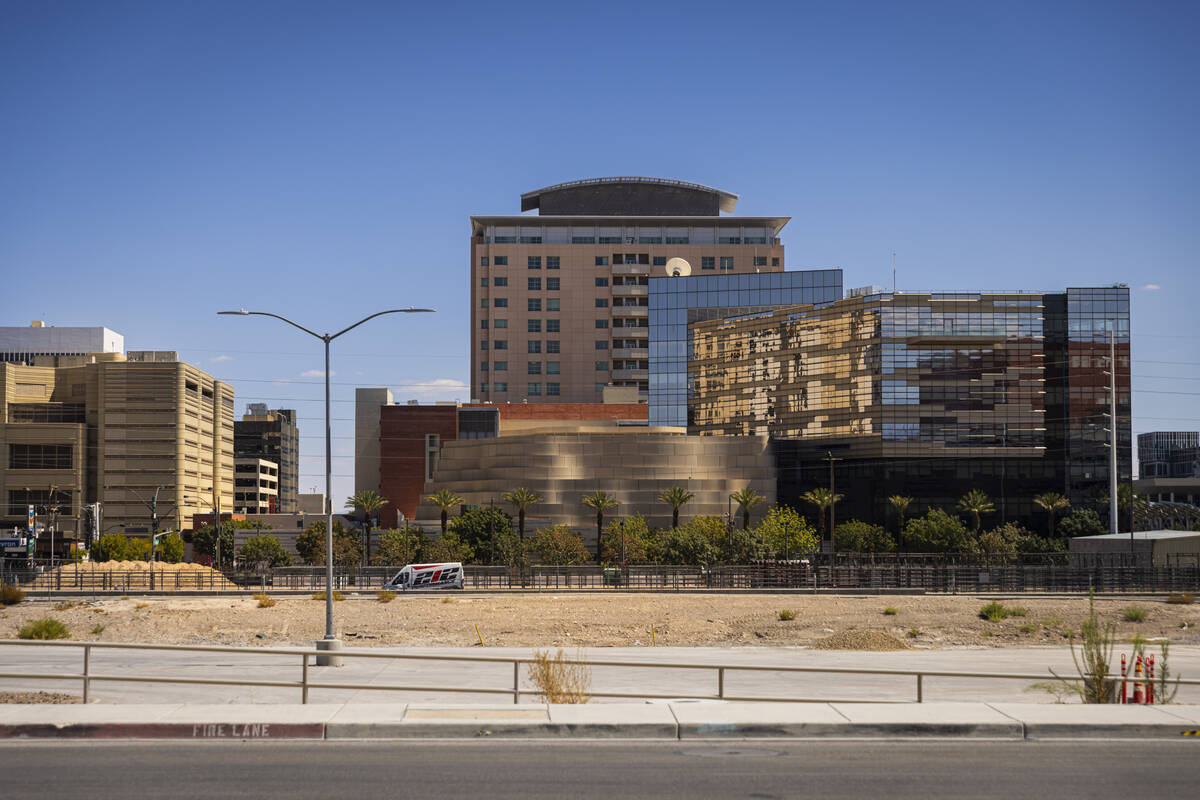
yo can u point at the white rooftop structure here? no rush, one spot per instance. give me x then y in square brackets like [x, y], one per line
[21, 344]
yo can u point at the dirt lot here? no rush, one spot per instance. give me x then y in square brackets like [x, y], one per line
[586, 619]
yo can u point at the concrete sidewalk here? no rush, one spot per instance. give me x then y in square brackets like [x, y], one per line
[661, 721]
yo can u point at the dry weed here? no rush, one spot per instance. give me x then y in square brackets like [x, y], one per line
[558, 679]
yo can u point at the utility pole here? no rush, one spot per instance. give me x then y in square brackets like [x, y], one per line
[832, 502]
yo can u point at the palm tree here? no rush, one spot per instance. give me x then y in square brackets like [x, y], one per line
[600, 502]
[747, 499]
[976, 502]
[522, 499]
[675, 497]
[368, 502]
[1052, 502]
[822, 498]
[900, 503]
[445, 500]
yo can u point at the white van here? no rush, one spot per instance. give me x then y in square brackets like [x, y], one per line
[422, 577]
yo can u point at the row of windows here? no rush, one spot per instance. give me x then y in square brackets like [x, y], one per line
[531, 389]
[534, 262]
[39, 456]
[534, 346]
[531, 303]
[495, 282]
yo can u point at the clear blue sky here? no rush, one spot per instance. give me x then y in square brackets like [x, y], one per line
[160, 161]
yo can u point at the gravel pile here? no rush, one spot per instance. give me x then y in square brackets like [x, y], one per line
[875, 641]
[131, 575]
[38, 698]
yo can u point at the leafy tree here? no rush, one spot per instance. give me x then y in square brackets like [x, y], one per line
[688, 545]
[399, 546]
[263, 549]
[1041, 544]
[822, 498]
[1052, 503]
[1005, 539]
[118, 547]
[712, 528]
[367, 502]
[862, 537]
[484, 529]
[901, 504]
[743, 546]
[448, 548]
[1082, 522]
[559, 546]
[938, 532]
[747, 499]
[170, 548]
[347, 547]
[976, 502]
[629, 540]
[521, 499]
[204, 538]
[787, 534]
[675, 497]
[600, 502]
[445, 500]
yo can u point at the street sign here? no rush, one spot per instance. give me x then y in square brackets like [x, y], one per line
[30, 517]
[7, 543]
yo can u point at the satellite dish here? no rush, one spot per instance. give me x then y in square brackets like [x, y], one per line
[678, 268]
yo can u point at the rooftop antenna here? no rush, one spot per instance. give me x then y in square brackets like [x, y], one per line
[893, 273]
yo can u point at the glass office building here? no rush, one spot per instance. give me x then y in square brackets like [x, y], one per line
[678, 303]
[924, 394]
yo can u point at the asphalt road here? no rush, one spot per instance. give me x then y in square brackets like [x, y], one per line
[1185, 661]
[852, 769]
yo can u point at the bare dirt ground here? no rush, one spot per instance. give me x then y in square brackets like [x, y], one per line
[595, 619]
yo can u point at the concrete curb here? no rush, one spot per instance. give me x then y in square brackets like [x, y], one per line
[626, 721]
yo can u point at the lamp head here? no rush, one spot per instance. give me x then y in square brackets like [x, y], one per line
[240, 312]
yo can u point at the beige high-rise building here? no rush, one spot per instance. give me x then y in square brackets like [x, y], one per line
[113, 429]
[560, 301]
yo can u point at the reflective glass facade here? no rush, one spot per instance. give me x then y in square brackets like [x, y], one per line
[923, 394]
[678, 303]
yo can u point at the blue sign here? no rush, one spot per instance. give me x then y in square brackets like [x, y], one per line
[6, 543]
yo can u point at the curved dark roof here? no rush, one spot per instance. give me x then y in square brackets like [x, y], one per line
[608, 193]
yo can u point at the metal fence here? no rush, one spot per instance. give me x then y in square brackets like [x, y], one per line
[516, 689]
[897, 575]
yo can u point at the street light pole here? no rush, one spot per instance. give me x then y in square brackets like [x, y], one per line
[327, 338]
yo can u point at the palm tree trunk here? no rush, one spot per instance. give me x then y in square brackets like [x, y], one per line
[745, 519]
[675, 518]
[444, 516]
[1051, 524]
[521, 523]
[599, 528]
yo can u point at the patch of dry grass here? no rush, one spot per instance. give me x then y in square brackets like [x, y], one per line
[558, 679]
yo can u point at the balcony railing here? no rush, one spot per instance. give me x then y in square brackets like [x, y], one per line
[631, 311]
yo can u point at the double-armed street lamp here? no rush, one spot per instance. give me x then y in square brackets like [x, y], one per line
[329, 642]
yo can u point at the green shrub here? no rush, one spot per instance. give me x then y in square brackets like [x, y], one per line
[44, 628]
[264, 600]
[1017, 611]
[993, 612]
[913, 633]
[938, 532]
[99, 629]
[1136, 614]
[263, 551]
[10, 595]
[336, 596]
[862, 537]
[891, 611]
[787, 616]
[385, 596]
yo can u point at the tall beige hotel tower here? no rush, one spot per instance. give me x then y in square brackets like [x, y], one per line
[561, 299]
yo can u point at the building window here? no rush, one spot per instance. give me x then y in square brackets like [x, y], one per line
[552, 389]
[534, 368]
[602, 281]
[660, 261]
[552, 345]
[39, 456]
[677, 240]
[601, 261]
[552, 262]
[707, 262]
[433, 450]
[483, 261]
[775, 262]
[483, 345]
[534, 284]
[499, 323]
[500, 386]
[601, 324]
[483, 323]
[601, 366]
[534, 347]
[552, 304]
[533, 326]
[534, 389]
[483, 303]
[760, 261]
[726, 262]
[602, 344]
[499, 282]
[483, 367]
[552, 284]
[601, 302]
[552, 324]
[504, 240]
[483, 282]
[499, 366]
[535, 262]
[501, 302]
[599, 387]
[729, 240]
[501, 344]
[553, 367]
[608, 240]
[583, 240]
[534, 304]
[501, 261]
